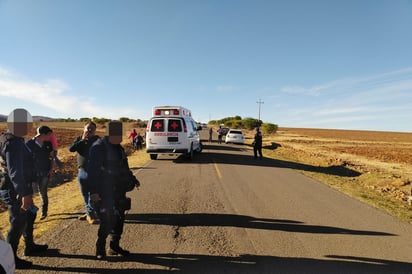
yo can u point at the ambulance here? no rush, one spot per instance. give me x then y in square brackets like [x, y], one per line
[172, 130]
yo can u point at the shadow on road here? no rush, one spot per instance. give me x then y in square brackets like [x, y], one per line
[245, 263]
[214, 155]
[225, 220]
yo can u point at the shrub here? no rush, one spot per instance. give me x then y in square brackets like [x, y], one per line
[269, 128]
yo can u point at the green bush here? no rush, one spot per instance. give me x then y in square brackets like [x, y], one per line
[269, 128]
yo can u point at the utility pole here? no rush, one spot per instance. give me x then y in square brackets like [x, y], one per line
[260, 102]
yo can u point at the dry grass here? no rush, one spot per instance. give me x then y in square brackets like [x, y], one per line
[380, 163]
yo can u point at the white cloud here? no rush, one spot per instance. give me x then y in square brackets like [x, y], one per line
[382, 100]
[51, 94]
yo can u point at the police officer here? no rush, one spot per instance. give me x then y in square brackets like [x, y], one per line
[257, 144]
[109, 179]
[16, 177]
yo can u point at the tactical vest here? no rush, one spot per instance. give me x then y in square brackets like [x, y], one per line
[115, 159]
[116, 166]
[5, 139]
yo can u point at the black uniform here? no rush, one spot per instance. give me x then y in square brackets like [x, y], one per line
[257, 145]
[16, 177]
[109, 176]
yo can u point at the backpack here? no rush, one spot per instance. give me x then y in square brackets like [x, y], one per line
[126, 181]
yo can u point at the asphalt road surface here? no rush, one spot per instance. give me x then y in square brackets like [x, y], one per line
[225, 212]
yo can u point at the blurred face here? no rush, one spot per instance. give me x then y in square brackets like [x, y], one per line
[19, 122]
[19, 129]
[115, 132]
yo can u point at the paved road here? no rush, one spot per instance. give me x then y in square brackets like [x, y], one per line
[225, 212]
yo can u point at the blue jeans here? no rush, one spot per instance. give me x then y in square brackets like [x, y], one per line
[82, 179]
[41, 185]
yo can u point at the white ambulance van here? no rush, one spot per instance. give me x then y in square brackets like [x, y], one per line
[172, 130]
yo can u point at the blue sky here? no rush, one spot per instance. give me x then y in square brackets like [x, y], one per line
[318, 64]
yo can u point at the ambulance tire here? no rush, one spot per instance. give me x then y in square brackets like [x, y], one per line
[153, 156]
[189, 155]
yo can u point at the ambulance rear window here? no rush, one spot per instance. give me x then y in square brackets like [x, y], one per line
[174, 125]
[158, 125]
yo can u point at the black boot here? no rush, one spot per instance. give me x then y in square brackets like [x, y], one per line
[32, 249]
[115, 249]
[44, 211]
[100, 249]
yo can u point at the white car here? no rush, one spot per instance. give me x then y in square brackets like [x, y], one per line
[235, 136]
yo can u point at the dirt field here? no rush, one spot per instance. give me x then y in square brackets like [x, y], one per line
[383, 161]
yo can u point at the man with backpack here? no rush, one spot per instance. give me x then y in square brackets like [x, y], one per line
[109, 179]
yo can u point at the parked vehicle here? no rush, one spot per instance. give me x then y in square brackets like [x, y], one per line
[225, 130]
[235, 136]
[172, 130]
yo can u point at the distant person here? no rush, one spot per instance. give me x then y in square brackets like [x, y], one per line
[81, 145]
[219, 134]
[139, 141]
[132, 137]
[43, 154]
[16, 191]
[210, 135]
[109, 180]
[257, 144]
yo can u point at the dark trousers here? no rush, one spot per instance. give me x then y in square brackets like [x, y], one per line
[21, 222]
[256, 150]
[111, 221]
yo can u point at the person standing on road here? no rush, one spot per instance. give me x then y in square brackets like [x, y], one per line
[81, 145]
[16, 191]
[257, 144]
[43, 154]
[210, 135]
[109, 180]
[219, 134]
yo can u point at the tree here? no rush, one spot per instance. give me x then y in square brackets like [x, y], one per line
[251, 123]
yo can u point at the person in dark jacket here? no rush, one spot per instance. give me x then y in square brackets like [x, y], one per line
[257, 144]
[109, 177]
[16, 191]
[82, 145]
[43, 154]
